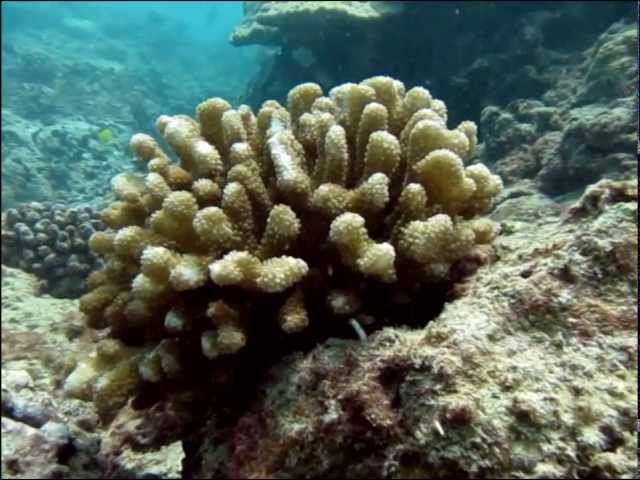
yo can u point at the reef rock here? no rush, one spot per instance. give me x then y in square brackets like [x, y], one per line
[44, 433]
[584, 128]
[473, 54]
[78, 174]
[529, 372]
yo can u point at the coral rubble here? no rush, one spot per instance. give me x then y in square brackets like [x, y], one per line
[44, 433]
[82, 163]
[277, 221]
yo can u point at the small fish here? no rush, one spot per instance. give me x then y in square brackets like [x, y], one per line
[104, 135]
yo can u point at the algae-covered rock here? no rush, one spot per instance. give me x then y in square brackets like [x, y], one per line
[530, 371]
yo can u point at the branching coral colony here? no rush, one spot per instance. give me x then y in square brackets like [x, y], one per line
[287, 216]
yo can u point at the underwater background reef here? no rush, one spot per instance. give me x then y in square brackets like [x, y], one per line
[319, 239]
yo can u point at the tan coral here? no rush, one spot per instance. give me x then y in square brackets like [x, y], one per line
[243, 269]
[157, 186]
[264, 211]
[349, 234]
[389, 92]
[157, 262]
[293, 316]
[130, 241]
[336, 156]
[102, 242]
[382, 154]
[224, 341]
[445, 180]
[128, 187]
[228, 336]
[287, 156]
[270, 21]
[237, 207]
[436, 243]
[190, 272]
[488, 186]
[343, 302]
[368, 199]
[233, 130]
[241, 152]
[248, 175]
[283, 227]
[375, 117]
[215, 229]
[209, 115]
[207, 192]
[145, 147]
[301, 98]
[198, 156]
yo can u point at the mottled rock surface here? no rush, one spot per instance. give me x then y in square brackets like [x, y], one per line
[77, 81]
[529, 372]
[145, 442]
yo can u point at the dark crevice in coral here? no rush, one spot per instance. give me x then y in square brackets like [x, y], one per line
[65, 452]
[237, 379]
[391, 378]
[232, 383]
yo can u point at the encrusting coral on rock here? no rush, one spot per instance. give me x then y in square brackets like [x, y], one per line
[272, 23]
[285, 218]
[603, 193]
